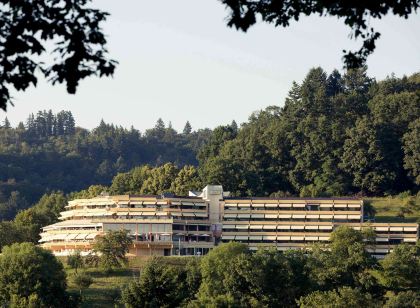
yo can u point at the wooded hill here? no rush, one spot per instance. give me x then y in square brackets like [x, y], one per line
[335, 135]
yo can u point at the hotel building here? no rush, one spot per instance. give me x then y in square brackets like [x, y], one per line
[172, 225]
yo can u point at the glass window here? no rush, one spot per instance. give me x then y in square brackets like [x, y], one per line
[132, 228]
[113, 227]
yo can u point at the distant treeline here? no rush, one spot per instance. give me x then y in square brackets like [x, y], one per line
[335, 135]
[49, 153]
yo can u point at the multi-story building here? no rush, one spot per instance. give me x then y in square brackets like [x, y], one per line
[173, 225]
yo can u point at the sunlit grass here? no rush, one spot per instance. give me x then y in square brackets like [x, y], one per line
[106, 287]
[389, 208]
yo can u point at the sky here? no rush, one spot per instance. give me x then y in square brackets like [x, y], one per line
[179, 61]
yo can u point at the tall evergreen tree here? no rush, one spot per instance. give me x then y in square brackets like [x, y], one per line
[6, 123]
[187, 128]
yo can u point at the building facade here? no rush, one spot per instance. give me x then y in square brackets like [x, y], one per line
[173, 225]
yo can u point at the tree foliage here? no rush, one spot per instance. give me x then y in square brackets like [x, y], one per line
[243, 14]
[112, 249]
[72, 31]
[337, 134]
[341, 274]
[51, 153]
[406, 299]
[401, 268]
[29, 274]
[412, 151]
[159, 285]
[75, 260]
[343, 297]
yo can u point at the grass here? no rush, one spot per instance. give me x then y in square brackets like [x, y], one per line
[106, 287]
[389, 208]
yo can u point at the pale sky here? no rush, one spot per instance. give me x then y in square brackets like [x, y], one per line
[179, 61]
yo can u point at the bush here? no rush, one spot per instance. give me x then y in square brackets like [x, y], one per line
[30, 274]
[82, 281]
[75, 260]
[408, 299]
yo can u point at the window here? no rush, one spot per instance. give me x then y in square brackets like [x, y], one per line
[132, 228]
[312, 207]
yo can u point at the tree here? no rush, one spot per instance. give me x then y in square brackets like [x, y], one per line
[401, 268]
[75, 260]
[12, 205]
[345, 262]
[187, 128]
[160, 179]
[406, 299]
[78, 44]
[186, 180]
[45, 212]
[343, 297]
[28, 271]
[243, 14]
[217, 274]
[234, 126]
[270, 279]
[160, 125]
[82, 281]
[411, 148]
[91, 192]
[9, 233]
[159, 285]
[6, 123]
[219, 136]
[365, 158]
[112, 248]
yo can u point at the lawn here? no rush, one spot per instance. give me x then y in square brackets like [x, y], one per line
[388, 209]
[105, 289]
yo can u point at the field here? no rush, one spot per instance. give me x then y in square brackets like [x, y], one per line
[390, 209]
[105, 289]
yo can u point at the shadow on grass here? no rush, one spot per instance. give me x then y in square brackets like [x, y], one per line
[103, 297]
[115, 273]
[395, 219]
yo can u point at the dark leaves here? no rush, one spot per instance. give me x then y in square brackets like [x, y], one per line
[355, 14]
[74, 29]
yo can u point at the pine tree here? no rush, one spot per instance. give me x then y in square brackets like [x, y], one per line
[187, 128]
[60, 123]
[160, 125]
[234, 126]
[70, 124]
[21, 126]
[30, 122]
[6, 123]
[41, 124]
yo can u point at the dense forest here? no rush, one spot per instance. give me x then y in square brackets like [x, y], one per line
[49, 153]
[336, 134]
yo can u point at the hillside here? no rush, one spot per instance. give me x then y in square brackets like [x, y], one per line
[336, 135]
[396, 209]
[50, 153]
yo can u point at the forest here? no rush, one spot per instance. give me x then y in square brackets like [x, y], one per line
[335, 135]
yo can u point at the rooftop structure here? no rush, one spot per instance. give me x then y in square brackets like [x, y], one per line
[173, 225]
